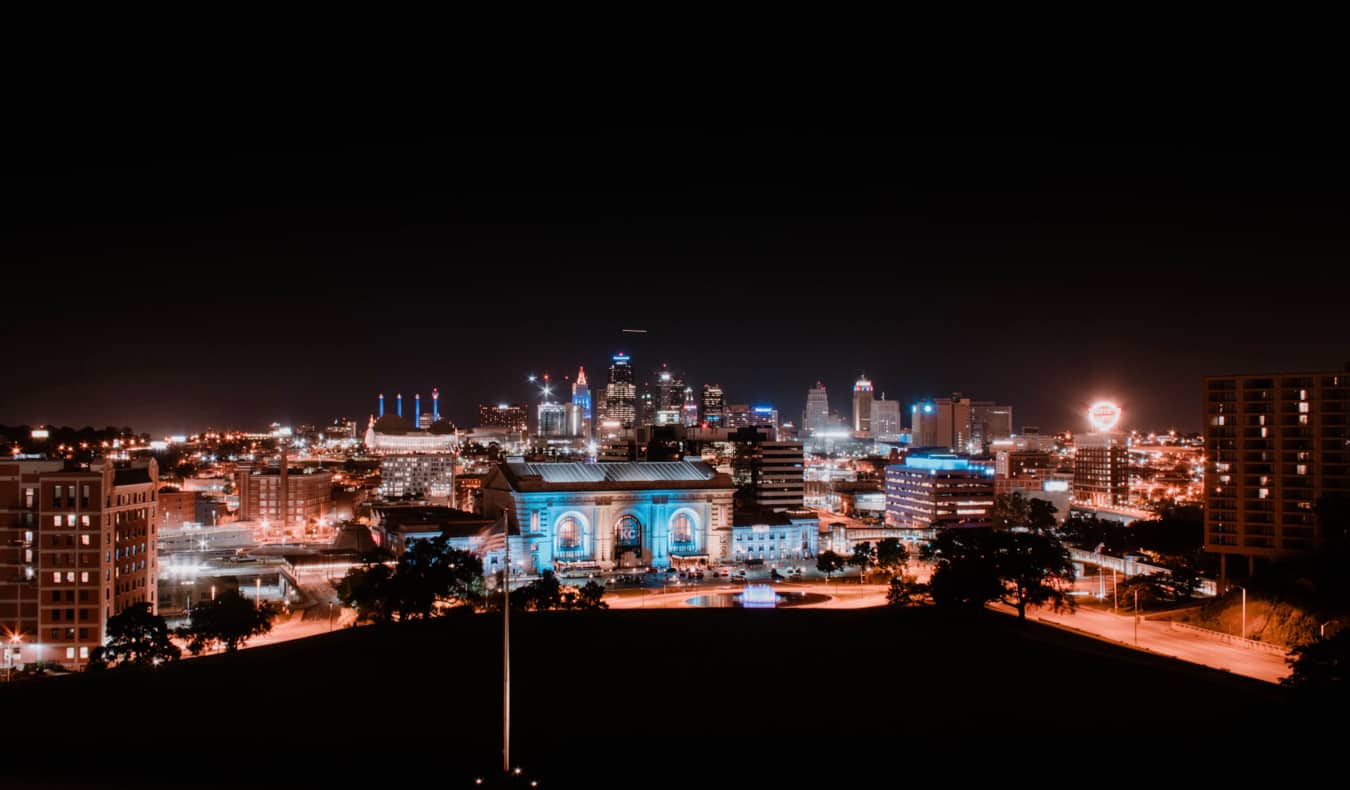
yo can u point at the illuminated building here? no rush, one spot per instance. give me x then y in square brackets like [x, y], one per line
[737, 416]
[78, 548]
[417, 475]
[553, 420]
[663, 397]
[771, 472]
[510, 416]
[580, 424]
[862, 406]
[293, 501]
[774, 535]
[886, 419]
[390, 434]
[938, 490]
[1276, 443]
[689, 416]
[178, 508]
[764, 417]
[1039, 483]
[611, 515]
[817, 414]
[714, 406]
[621, 392]
[1101, 460]
[989, 422]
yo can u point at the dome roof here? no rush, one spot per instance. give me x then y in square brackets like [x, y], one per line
[391, 424]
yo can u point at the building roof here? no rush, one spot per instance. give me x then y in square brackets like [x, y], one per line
[137, 475]
[450, 521]
[614, 476]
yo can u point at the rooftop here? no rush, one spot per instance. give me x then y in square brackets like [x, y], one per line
[622, 475]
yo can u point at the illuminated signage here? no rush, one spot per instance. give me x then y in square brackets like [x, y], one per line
[1104, 415]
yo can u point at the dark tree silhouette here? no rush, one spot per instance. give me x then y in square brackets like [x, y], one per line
[864, 556]
[135, 638]
[964, 572]
[1033, 570]
[892, 556]
[591, 595]
[828, 562]
[905, 591]
[231, 619]
[1010, 510]
[1322, 666]
[1041, 514]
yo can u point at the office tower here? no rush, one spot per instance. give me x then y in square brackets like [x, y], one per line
[1276, 444]
[886, 419]
[935, 490]
[76, 547]
[737, 416]
[417, 475]
[581, 399]
[862, 406]
[771, 472]
[714, 407]
[989, 422]
[621, 392]
[552, 420]
[817, 414]
[942, 423]
[689, 414]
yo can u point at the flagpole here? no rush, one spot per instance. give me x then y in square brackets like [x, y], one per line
[506, 651]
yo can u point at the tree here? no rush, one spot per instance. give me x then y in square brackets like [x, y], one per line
[591, 596]
[828, 562]
[1147, 589]
[135, 638]
[369, 591]
[1010, 510]
[864, 555]
[964, 572]
[905, 591]
[1183, 581]
[1041, 514]
[892, 556]
[1033, 570]
[1322, 666]
[230, 619]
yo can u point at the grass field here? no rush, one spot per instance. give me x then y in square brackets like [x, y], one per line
[678, 698]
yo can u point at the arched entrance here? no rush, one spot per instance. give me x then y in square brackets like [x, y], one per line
[627, 542]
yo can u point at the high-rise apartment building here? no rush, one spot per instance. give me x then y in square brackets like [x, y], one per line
[1101, 469]
[76, 548]
[1275, 444]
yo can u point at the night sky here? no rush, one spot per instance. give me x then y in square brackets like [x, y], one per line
[228, 224]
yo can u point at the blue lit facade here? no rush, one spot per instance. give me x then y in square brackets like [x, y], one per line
[791, 537]
[938, 490]
[613, 515]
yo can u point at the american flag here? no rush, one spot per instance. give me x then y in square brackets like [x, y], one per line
[492, 537]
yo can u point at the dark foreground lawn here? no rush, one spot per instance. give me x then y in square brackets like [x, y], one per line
[698, 699]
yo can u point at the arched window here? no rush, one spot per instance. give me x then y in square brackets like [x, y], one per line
[681, 529]
[569, 533]
[628, 532]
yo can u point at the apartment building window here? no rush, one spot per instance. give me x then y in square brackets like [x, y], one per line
[70, 653]
[84, 576]
[84, 540]
[84, 521]
[56, 496]
[1303, 407]
[28, 494]
[56, 577]
[56, 521]
[84, 496]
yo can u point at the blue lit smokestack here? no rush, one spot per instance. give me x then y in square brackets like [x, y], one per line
[400, 404]
[417, 410]
[435, 405]
[381, 404]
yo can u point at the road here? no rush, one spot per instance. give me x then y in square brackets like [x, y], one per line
[1159, 637]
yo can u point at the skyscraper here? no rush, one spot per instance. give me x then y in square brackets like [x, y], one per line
[690, 415]
[862, 406]
[1275, 445]
[621, 392]
[581, 399]
[714, 408]
[817, 414]
[942, 423]
[886, 419]
[989, 421]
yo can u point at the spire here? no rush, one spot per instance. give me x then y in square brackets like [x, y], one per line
[581, 375]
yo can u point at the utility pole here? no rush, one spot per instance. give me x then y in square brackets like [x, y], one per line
[1136, 617]
[1115, 596]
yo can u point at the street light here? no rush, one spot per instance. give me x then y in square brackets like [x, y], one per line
[1244, 610]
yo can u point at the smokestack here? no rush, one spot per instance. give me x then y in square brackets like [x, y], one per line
[435, 405]
[381, 404]
[400, 404]
[417, 410]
